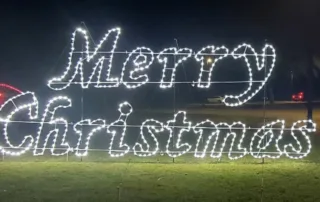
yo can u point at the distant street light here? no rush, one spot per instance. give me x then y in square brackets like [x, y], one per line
[209, 60]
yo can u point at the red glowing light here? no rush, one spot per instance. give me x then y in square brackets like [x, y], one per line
[3, 95]
[298, 97]
[10, 87]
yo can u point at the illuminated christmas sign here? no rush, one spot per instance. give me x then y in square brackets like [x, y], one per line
[212, 139]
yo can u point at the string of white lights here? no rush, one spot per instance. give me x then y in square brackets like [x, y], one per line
[139, 57]
[49, 116]
[178, 148]
[140, 63]
[234, 136]
[158, 153]
[236, 100]
[133, 75]
[216, 133]
[32, 105]
[122, 120]
[269, 137]
[178, 145]
[70, 73]
[298, 152]
[138, 126]
[77, 128]
[169, 53]
[56, 135]
[143, 149]
[198, 129]
[208, 71]
[164, 82]
[164, 60]
[84, 141]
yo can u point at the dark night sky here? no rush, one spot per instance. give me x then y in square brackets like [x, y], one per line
[34, 35]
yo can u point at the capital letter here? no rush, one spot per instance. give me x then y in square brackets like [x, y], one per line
[29, 102]
[77, 59]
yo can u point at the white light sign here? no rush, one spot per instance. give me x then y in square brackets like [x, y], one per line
[211, 139]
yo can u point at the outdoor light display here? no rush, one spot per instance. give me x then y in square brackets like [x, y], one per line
[261, 134]
[151, 125]
[31, 104]
[55, 134]
[185, 53]
[83, 141]
[183, 147]
[216, 152]
[75, 64]
[122, 149]
[212, 139]
[207, 73]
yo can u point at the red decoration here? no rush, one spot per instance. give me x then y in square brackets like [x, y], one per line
[3, 96]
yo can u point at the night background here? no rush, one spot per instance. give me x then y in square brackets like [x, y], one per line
[35, 42]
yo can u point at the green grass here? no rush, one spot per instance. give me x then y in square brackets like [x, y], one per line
[131, 180]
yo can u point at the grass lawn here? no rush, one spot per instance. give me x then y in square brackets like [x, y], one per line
[244, 180]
